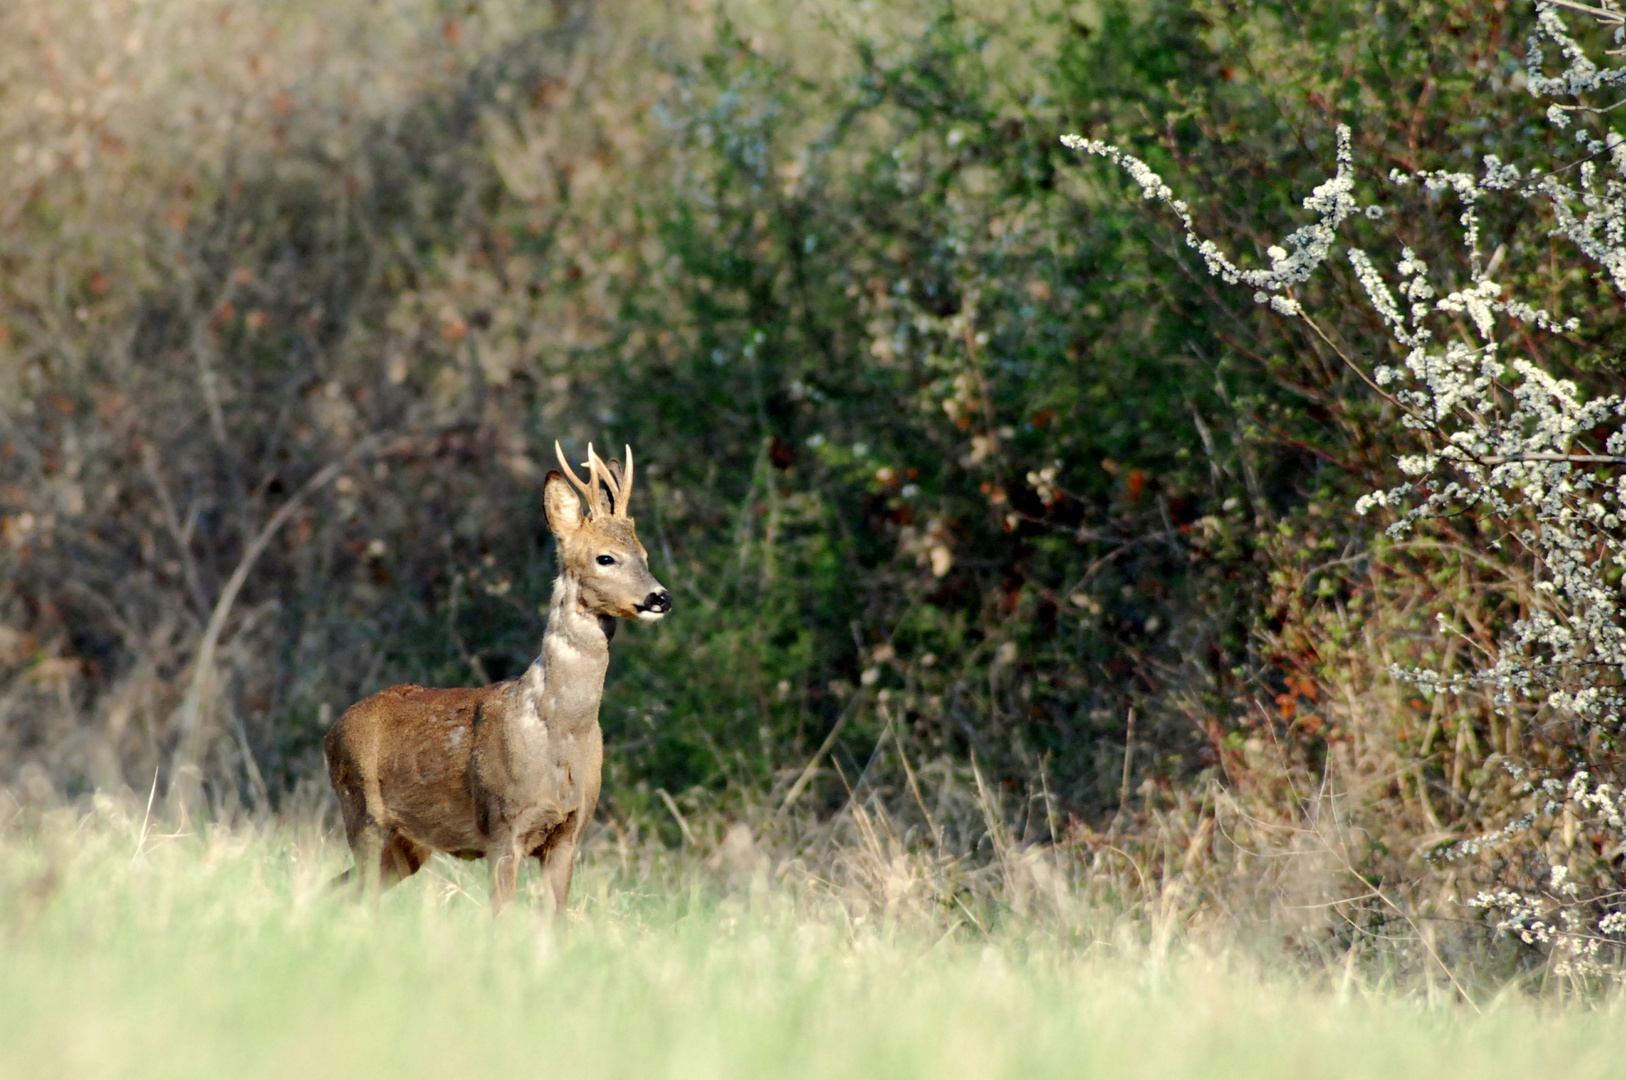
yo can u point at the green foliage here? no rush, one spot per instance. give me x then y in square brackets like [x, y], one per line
[955, 456]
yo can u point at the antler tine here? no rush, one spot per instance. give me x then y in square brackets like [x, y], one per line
[597, 471]
[576, 481]
[610, 478]
[626, 486]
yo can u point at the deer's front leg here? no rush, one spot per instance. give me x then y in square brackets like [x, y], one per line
[558, 863]
[503, 858]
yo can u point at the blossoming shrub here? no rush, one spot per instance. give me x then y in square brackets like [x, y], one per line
[1520, 462]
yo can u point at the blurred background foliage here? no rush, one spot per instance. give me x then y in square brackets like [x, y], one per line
[952, 451]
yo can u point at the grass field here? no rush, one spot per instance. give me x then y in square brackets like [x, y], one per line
[223, 954]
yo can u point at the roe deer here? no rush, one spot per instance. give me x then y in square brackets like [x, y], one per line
[511, 769]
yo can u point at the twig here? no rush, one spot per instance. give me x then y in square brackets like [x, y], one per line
[182, 533]
[1049, 805]
[1603, 15]
[990, 815]
[1353, 366]
[812, 766]
[1550, 455]
[683, 822]
[1123, 786]
[968, 914]
[146, 819]
[256, 779]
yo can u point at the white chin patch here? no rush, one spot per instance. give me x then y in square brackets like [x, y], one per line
[651, 616]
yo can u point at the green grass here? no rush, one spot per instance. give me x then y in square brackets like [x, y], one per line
[223, 955]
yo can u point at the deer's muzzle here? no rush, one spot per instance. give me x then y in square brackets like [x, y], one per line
[655, 606]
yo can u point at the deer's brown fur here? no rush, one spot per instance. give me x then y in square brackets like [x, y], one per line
[511, 769]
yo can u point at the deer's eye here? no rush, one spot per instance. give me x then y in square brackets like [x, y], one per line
[606, 560]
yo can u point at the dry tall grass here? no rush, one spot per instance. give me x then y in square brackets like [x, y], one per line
[135, 946]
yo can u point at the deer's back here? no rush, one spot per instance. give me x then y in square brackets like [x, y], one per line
[402, 757]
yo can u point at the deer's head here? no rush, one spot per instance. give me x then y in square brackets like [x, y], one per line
[600, 549]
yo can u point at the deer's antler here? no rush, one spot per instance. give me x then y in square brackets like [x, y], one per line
[589, 488]
[625, 500]
[603, 479]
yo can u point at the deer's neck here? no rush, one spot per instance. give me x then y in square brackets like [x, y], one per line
[566, 681]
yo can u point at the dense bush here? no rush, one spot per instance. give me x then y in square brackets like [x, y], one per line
[847, 329]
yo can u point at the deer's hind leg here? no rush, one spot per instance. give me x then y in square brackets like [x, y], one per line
[384, 855]
[384, 858]
[400, 858]
[361, 826]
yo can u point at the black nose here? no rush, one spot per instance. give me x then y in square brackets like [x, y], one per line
[658, 601]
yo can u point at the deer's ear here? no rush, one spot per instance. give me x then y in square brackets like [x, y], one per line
[563, 507]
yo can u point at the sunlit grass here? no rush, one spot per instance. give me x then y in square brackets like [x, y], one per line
[223, 954]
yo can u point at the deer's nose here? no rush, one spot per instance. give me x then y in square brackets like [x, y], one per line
[660, 602]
